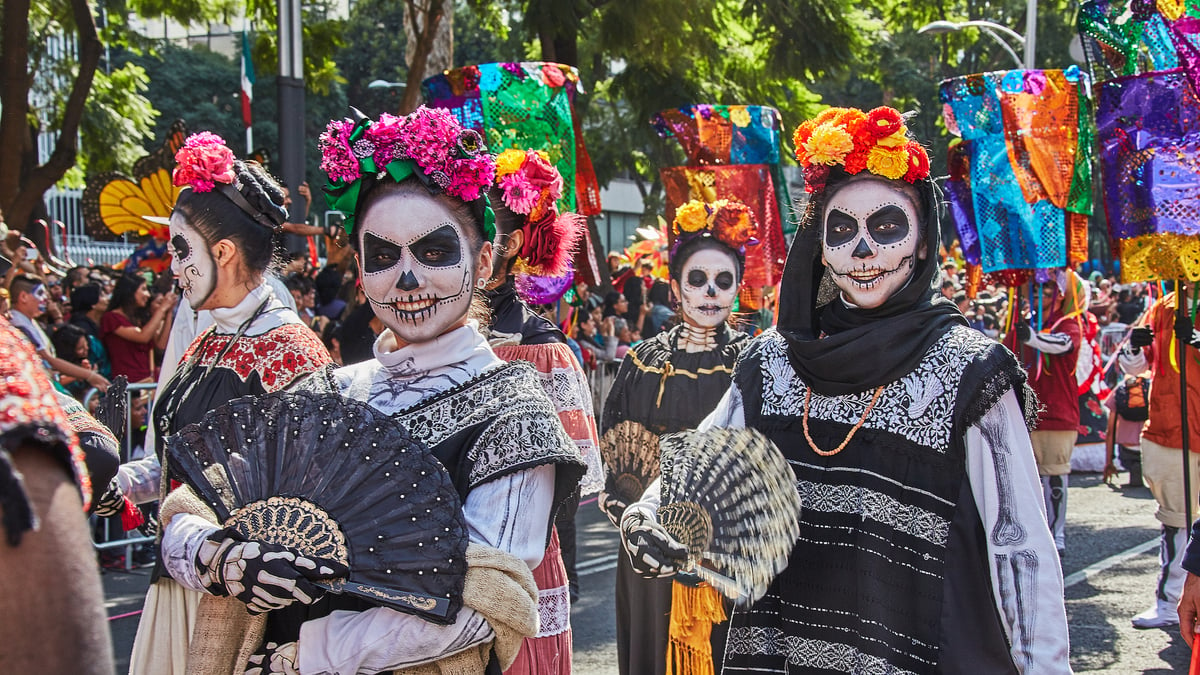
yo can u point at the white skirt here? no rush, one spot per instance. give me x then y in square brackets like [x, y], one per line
[163, 634]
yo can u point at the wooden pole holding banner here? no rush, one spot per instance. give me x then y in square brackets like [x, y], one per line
[1181, 312]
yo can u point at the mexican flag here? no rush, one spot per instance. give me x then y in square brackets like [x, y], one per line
[247, 79]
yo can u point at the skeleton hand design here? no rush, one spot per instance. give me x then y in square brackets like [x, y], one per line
[111, 503]
[264, 576]
[612, 507]
[150, 527]
[652, 552]
[1024, 332]
[273, 657]
[1185, 332]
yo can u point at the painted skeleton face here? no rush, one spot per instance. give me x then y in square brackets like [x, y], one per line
[870, 241]
[191, 262]
[707, 287]
[415, 266]
[42, 296]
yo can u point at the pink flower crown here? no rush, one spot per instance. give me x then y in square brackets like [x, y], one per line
[454, 158]
[203, 162]
[729, 222]
[531, 187]
[875, 141]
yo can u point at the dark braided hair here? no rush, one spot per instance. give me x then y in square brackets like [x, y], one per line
[215, 216]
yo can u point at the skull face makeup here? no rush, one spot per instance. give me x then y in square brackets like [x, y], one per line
[42, 296]
[869, 241]
[191, 262]
[707, 287]
[414, 264]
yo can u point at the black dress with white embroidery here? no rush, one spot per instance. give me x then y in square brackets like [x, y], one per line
[891, 549]
[665, 389]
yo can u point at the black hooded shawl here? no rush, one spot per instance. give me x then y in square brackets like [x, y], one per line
[837, 349]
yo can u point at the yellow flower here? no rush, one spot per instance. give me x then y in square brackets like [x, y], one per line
[739, 116]
[888, 163]
[509, 161]
[691, 217]
[828, 144]
[896, 140]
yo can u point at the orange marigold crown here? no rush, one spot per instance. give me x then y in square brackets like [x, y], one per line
[875, 141]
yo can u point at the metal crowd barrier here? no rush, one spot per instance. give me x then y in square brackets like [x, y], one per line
[125, 448]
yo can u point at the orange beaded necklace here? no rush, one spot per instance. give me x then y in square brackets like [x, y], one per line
[830, 453]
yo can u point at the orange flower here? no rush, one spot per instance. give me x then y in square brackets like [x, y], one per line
[733, 223]
[828, 144]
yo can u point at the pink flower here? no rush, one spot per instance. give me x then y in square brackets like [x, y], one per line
[520, 194]
[202, 162]
[430, 135]
[553, 75]
[337, 158]
[470, 176]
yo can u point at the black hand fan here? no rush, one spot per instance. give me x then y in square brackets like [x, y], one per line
[114, 407]
[335, 478]
[630, 452]
[729, 496]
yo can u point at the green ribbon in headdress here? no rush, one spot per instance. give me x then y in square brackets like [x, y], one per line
[343, 195]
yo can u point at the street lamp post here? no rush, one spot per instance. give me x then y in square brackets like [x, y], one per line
[1027, 42]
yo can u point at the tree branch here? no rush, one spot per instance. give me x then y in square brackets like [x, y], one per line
[42, 178]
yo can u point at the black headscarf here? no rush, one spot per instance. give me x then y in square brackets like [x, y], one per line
[862, 348]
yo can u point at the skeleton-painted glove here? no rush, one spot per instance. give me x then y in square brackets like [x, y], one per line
[1186, 332]
[1024, 332]
[274, 658]
[264, 576]
[111, 503]
[652, 552]
[612, 507]
[1142, 336]
[150, 527]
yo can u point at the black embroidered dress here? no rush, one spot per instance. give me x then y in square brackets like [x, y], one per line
[666, 389]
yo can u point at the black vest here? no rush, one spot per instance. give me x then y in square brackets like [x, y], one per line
[890, 572]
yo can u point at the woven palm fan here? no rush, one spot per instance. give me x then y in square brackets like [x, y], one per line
[630, 453]
[729, 496]
[338, 479]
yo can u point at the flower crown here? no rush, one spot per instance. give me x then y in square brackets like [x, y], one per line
[531, 187]
[729, 222]
[428, 143]
[203, 162]
[876, 141]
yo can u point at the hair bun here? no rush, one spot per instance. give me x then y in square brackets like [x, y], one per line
[263, 193]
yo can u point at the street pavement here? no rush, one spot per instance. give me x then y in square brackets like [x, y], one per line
[1110, 567]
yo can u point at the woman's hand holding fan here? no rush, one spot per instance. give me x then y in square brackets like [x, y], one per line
[729, 497]
[652, 552]
[264, 576]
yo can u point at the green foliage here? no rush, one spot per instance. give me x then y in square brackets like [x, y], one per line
[203, 88]
[117, 119]
[375, 53]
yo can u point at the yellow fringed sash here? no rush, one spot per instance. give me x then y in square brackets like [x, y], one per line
[694, 610]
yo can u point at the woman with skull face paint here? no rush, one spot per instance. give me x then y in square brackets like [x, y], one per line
[668, 383]
[222, 242]
[532, 237]
[923, 547]
[414, 193]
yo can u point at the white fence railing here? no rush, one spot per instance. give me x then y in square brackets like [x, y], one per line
[70, 236]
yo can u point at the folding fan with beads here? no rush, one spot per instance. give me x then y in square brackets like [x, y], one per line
[334, 478]
[630, 453]
[729, 496]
